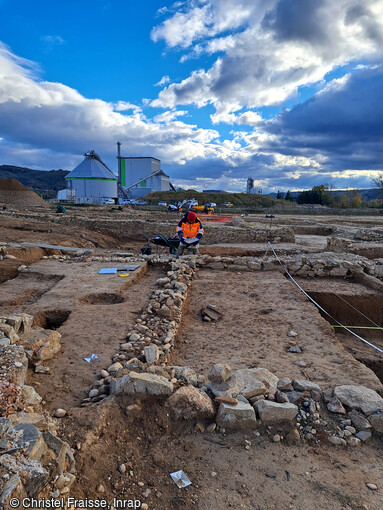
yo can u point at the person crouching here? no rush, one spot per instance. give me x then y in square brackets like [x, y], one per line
[190, 232]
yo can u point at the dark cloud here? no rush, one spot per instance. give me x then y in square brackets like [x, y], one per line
[363, 16]
[297, 20]
[343, 122]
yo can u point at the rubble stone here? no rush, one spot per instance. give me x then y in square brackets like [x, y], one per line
[44, 343]
[376, 421]
[254, 381]
[272, 413]
[335, 406]
[13, 488]
[359, 398]
[219, 373]
[185, 374]
[303, 385]
[359, 421]
[189, 403]
[239, 417]
[143, 384]
[32, 474]
[151, 353]
[284, 384]
[363, 435]
[29, 396]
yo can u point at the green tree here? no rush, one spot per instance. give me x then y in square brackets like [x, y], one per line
[279, 195]
[288, 195]
[317, 195]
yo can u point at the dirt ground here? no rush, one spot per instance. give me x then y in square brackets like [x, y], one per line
[259, 309]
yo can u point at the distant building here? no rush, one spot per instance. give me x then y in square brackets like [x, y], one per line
[91, 181]
[142, 175]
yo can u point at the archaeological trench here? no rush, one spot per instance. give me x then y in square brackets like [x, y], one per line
[217, 364]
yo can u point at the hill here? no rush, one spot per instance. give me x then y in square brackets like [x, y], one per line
[44, 183]
[242, 200]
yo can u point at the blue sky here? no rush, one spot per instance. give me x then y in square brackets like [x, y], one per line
[288, 92]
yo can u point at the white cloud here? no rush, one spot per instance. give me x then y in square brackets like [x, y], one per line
[163, 81]
[169, 116]
[274, 47]
[40, 117]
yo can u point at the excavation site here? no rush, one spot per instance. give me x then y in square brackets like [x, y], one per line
[249, 375]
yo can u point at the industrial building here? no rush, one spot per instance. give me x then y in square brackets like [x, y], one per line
[139, 176]
[93, 182]
[90, 182]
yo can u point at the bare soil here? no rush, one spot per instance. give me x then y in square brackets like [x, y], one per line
[259, 310]
[93, 313]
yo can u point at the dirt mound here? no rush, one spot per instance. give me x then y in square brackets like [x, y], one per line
[14, 193]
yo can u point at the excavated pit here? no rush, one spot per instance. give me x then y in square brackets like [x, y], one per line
[51, 319]
[372, 308]
[104, 298]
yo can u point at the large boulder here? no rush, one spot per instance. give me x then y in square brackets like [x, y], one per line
[359, 398]
[252, 382]
[143, 384]
[238, 417]
[43, 343]
[273, 413]
[189, 403]
[248, 382]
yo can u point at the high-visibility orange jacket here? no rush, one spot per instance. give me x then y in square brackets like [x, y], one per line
[188, 230]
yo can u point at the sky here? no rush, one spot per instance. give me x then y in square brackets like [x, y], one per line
[288, 92]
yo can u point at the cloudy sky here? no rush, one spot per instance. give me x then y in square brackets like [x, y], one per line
[288, 92]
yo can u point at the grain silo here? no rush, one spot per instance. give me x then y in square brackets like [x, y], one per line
[141, 175]
[92, 181]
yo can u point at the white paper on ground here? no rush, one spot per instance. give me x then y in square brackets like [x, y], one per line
[180, 478]
[91, 358]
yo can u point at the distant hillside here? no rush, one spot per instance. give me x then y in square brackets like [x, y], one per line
[243, 200]
[45, 183]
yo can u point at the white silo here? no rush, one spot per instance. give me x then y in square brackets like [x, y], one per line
[92, 181]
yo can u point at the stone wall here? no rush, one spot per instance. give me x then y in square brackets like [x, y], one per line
[34, 462]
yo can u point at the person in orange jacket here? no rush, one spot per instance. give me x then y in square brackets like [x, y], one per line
[190, 232]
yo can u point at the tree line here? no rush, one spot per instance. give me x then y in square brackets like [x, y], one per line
[322, 195]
